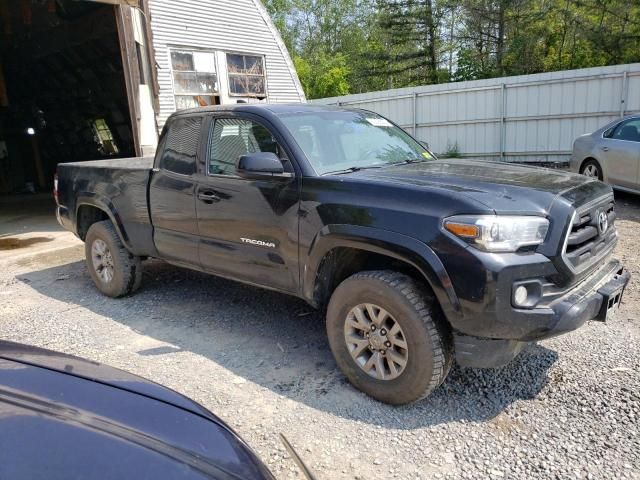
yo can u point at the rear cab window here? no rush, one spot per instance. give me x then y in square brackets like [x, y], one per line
[181, 141]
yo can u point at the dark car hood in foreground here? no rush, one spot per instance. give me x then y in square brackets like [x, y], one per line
[500, 186]
[64, 417]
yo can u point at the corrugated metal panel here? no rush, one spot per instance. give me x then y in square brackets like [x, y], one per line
[543, 113]
[241, 26]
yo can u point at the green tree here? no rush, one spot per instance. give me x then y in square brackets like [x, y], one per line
[279, 12]
[326, 77]
[411, 35]
[342, 46]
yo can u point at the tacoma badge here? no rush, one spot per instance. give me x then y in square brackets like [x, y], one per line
[260, 243]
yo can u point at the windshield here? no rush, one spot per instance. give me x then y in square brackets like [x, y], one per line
[336, 141]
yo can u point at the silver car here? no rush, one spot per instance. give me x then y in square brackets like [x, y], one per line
[611, 153]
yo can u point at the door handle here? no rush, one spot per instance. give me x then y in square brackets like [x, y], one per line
[208, 197]
[606, 149]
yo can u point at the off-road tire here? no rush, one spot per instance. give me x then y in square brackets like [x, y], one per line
[127, 268]
[413, 307]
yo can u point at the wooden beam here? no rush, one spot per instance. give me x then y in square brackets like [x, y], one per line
[131, 71]
[130, 3]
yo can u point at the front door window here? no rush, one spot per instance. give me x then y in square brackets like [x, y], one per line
[233, 137]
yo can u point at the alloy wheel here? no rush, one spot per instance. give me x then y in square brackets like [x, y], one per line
[591, 171]
[102, 260]
[376, 341]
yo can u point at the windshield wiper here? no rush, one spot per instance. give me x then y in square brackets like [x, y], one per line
[409, 160]
[352, 169]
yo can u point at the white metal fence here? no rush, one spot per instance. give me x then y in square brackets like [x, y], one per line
[528, 118]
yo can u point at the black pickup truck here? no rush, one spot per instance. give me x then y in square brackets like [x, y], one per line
[418, 261]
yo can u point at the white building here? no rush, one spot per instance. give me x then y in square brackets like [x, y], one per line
[208, 53]
[81, 80]
[232, 44]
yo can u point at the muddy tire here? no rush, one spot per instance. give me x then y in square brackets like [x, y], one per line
[114, 270]
[388, 336]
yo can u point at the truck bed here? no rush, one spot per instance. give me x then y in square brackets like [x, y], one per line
[131, 163]
[119, 186]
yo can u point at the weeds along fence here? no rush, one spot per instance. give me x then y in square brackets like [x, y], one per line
[527, 118]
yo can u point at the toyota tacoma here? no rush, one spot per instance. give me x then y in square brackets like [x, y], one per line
[417, 261]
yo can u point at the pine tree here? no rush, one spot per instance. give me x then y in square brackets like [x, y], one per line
[411, 32]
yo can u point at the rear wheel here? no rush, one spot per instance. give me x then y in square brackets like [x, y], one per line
[591, 168]
[114, 270]
[388, 337]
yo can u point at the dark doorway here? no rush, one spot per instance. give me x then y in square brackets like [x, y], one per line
[63, 95]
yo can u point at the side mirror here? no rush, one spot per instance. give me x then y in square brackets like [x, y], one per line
[261, 165]
[425, 145]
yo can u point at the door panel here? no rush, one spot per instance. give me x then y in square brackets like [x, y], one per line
[245, 234]
[248, 228]
[622, 160]
[173, 212]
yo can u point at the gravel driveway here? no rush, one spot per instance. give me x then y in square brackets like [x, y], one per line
[566, 408]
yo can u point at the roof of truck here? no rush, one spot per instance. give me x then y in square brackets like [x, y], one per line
[276, 109]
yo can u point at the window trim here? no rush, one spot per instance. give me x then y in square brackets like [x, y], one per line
[610, 130]
[191, 50]
[264, 74]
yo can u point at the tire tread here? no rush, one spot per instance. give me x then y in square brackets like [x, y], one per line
[425, 305]
[132, 272]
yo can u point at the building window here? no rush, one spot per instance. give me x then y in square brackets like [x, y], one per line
[104, 137]
[246, 75]
[195, 83]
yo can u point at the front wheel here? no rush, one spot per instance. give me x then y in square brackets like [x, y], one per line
[115, 271]
[388, 337]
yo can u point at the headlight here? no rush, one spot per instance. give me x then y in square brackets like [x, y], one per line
[504, 233]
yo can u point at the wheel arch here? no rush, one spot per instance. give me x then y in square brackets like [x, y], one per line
[338, 251]
[92, 208]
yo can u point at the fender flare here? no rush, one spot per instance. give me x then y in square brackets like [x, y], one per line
[388, 243]
[103, 203]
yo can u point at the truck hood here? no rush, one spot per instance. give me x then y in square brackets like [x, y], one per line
[502, 187]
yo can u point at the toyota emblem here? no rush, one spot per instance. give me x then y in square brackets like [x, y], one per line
[603, 222]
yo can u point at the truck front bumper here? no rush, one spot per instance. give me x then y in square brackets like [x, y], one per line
[596, 298]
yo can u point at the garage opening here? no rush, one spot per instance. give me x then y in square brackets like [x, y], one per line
[63, 96]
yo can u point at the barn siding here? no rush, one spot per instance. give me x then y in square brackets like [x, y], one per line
[241, 26]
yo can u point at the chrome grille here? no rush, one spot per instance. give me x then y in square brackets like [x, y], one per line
[587, 241]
